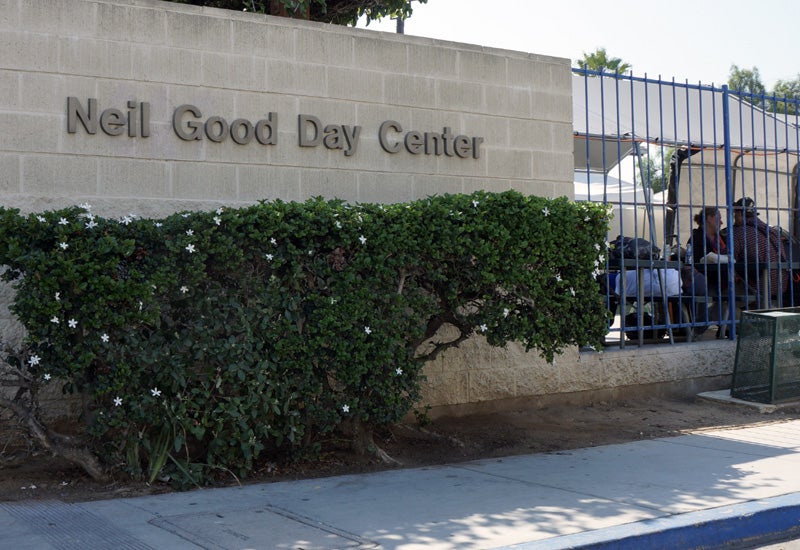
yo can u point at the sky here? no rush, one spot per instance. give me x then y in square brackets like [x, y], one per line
[689, 41]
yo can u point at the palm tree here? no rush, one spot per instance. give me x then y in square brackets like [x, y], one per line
[599, 61]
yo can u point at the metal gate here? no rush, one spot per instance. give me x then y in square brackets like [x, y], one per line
[659, 153]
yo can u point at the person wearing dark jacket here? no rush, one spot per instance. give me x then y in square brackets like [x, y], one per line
[755, 241]
[707, 254]
[706, 236]
[708, 249]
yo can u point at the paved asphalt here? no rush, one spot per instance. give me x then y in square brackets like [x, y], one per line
[724, 488]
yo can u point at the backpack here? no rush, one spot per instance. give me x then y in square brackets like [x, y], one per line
[630, 248]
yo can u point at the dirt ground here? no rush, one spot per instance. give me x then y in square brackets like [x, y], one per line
[445, 440]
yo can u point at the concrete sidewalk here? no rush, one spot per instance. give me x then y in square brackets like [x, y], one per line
[690, 491]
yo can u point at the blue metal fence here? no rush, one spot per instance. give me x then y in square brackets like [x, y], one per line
[659, 153]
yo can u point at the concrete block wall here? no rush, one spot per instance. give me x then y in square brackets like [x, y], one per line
[476, 377]
[243, 65]
[239, 65]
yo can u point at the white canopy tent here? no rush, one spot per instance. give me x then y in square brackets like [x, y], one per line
[613, 111]
[627, 199]
[615, 117]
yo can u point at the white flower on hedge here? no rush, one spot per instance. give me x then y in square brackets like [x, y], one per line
[72, 323]
[54, 320]
[483, 328]
[506, 311]
[558, 277]
[368, 330]
[311, 252]
[34, 360]
[398, 371]
[126, 220]
[220, 210]
[269, 257]
[190, 232]
[63, 221]
[546, 211]
[155, 392]
[141, 305]
[597, 246]
[475, 204]
[63, 246]
[159, 224]
[572, 291]
[363, 239]
[338, 224]
[273, 242]
[345, 408]
[104, 337]
[117, 401]
[217, 220]
[58, 296]
[91, 225]
[85, 206]
[47, 376]
[186, 215]
[190, 248]
[184, 289]
[41, 218]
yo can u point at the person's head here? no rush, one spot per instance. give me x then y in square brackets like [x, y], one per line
[743, 209]
[708, 219]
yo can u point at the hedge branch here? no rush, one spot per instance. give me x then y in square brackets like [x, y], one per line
[58, 444]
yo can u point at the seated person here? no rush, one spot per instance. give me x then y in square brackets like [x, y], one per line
[709, 248]
[706, 237]
[651, 282]
[687, 282]
[610, 286]
[755, 241]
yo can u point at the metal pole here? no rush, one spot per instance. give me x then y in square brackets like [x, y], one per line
[726, 135]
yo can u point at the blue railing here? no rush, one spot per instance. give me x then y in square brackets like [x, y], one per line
[661, 152]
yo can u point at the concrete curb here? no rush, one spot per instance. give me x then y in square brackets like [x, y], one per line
[742, 525]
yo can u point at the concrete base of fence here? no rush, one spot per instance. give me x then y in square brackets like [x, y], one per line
[478, 378]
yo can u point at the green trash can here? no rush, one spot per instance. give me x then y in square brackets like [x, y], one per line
[767, 364]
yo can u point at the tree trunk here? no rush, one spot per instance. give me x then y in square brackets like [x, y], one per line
[363, 443]
[276, 7]
[57, 444]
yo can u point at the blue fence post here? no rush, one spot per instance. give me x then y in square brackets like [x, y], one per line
[726, 131]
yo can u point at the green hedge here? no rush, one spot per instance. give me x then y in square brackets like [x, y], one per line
[215, 340]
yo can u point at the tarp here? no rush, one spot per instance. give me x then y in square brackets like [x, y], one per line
[610, 112]
[604, 188]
